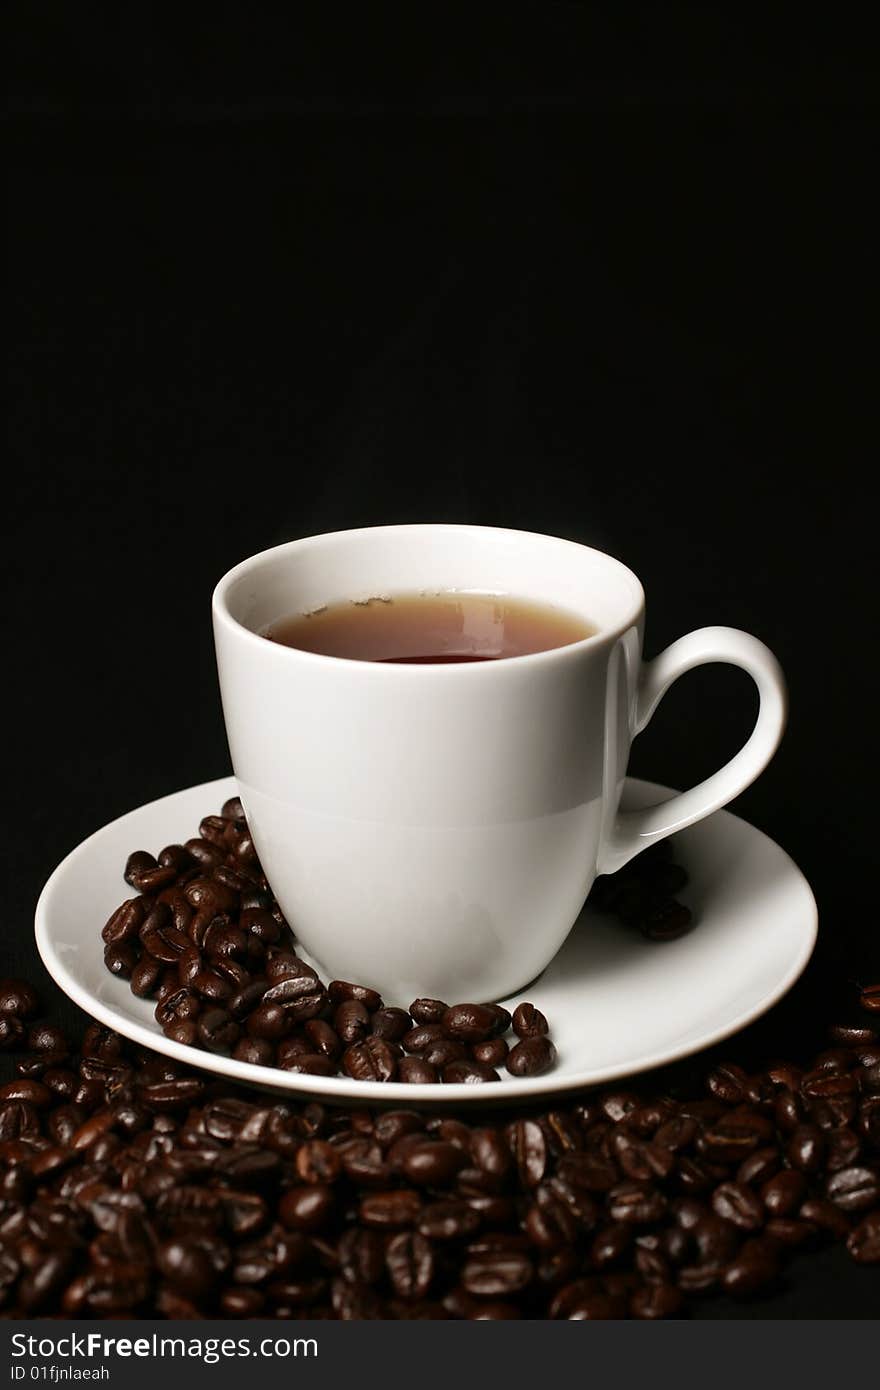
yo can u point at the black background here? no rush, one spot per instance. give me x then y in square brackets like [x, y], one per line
[534, 267]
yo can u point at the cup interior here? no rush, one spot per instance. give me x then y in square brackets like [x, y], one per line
[354, 565]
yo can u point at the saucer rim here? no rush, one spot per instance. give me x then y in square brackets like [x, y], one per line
[511, 1091]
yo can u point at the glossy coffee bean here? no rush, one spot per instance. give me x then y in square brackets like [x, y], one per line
[854, 1189]
[468, 1073]
[529, 1022]
[427, 1010]
[469, 1023]
[531, 1057]
[18, 997]
[492, 1053]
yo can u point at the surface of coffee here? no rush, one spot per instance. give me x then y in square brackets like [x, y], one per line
[431, 628]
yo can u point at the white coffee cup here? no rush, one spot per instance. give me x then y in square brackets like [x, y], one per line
[434, 830]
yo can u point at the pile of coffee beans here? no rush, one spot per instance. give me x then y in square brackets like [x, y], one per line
[134, 1186]
[206, 939]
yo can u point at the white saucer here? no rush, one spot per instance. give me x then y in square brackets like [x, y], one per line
[617, 1004]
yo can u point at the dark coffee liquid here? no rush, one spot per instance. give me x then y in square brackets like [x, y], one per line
[431, 628]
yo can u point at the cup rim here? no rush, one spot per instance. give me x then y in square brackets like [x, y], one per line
[466, 670]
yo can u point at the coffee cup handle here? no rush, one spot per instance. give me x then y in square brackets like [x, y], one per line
[633, 831]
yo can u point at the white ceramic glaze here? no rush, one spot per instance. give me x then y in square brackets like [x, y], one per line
[617, 1004]
[436, 829]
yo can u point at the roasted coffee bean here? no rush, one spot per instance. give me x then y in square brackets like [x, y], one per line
[529, 1149]
[154, 880]
[340, 991]
[386, 1211]
[145, 976]
[30, 1092]
[179, 1006]
[396, 1152]
[205, 854]
[121, 958]
[863, 1243]
[853, 1189]
[259, 924]
[427, 1010]
[667, 922]
[469, 1023]
[503, 1018]
[420, 1038]
[211, 987]
[285, 965]
[636, 1204]
[222, 941]
[318, 1162]
[729, 1083]
[759, 1166]
[416, 1071]
[176, 857]
[18, 997]
[138, 862]
[616, 1105]
[870, 998]
[351, 1021]
[531, 1057]
[497, 1274]
[410, 1261]
[806, 1148]
[783, 1194]
[257, 1051]
[218, 1031]
[391, 1125]
[756, 1266]
[125, 922]
[308, 1064]
[370, 1060]
[852, 1035]
[468, 1073]
[322, 1038]
[433, 1163]
[361, 1255]
[529, 1022]
[737, 1203]
[164, 942]
[308, 1208]
[269, 1021]
[192, 1264]
[826, 1217]
[391, 1024]
[591, 1172]
[441, 1053]
[300, 998]
[448, 1220]
[491, 1053]
[735, 1135]
[12, 1032]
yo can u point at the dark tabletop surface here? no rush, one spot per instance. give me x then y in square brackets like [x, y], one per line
[266, 285]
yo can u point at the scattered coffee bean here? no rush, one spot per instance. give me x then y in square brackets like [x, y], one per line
[870, 998]
[151, 1193]
[17, 997]
[531, 1057]
[529, 1022]
[492, 1053]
